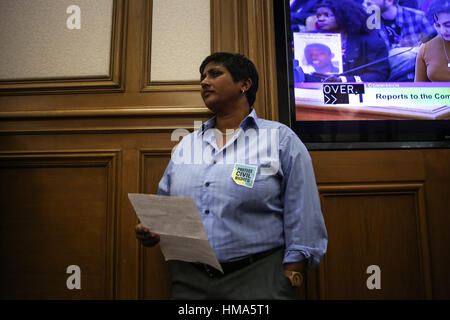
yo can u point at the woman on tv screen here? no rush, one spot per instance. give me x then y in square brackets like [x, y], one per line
[433, 60]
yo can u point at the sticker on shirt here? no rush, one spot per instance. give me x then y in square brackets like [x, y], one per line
[244, 174]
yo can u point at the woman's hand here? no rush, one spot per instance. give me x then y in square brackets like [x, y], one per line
[146, 237]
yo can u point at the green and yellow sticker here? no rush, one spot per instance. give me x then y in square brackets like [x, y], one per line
[244, 174]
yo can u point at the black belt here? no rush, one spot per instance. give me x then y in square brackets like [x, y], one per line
[229, 267]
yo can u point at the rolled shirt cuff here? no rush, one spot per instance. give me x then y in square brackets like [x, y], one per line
[297, 255]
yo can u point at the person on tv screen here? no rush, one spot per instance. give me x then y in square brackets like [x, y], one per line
[360, 46]
[401, 28]
[319, 56]
[433, 60]
[258, 201]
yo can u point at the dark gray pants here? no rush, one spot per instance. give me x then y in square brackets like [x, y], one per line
[263, 279]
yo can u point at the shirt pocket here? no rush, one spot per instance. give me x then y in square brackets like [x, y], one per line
[266, 186]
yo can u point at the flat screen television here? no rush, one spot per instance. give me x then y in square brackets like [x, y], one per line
[343, 108]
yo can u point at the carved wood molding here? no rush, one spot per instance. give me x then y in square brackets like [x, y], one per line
[107, 112]
[111, 120]
[112, 83]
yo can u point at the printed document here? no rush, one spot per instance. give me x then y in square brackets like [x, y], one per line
[178, 222]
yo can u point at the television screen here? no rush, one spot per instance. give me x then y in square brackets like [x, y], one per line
[363, 71]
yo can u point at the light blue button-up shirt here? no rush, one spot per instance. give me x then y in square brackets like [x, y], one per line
[278, 206]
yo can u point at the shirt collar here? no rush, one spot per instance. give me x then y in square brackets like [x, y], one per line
[250, 120]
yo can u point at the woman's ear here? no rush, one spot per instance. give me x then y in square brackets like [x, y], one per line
[246, 84]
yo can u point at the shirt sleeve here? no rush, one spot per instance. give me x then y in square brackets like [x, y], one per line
[164, 183]
[304, 227]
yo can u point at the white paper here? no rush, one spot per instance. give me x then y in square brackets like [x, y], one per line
[178, 222]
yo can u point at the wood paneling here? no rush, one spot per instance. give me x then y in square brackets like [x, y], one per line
[147, 85]
[437, 193]
[376, 224]
[154, 284]
[381, 207]
[57, 210]
[129, 170]
[68, 161]
[112, 83]
[132, 100]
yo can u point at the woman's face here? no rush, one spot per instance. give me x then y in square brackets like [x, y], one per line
[442, 25]
[218, 87]
[326, 20]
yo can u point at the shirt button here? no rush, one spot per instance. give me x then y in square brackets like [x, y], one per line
[207, 184]
[206, 211]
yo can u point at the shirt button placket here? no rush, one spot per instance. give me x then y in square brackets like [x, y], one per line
[206, 185]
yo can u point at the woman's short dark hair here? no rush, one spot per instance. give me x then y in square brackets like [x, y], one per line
[349, 14]
[437, 6]
[240, 68]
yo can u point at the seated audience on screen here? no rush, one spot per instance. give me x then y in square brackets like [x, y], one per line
[303, 14]
[360, 46]
[401, 28]
[433, 60]
[300, 11]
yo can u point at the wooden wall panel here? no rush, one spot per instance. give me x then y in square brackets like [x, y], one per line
[114, 82]
[147, 85]
[383, 205]
[382, 225]
[437, 194]
[369, 166]
[57, 210]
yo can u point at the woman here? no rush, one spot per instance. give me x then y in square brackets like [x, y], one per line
[359, 45]
[258, 199]
[433, 59]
